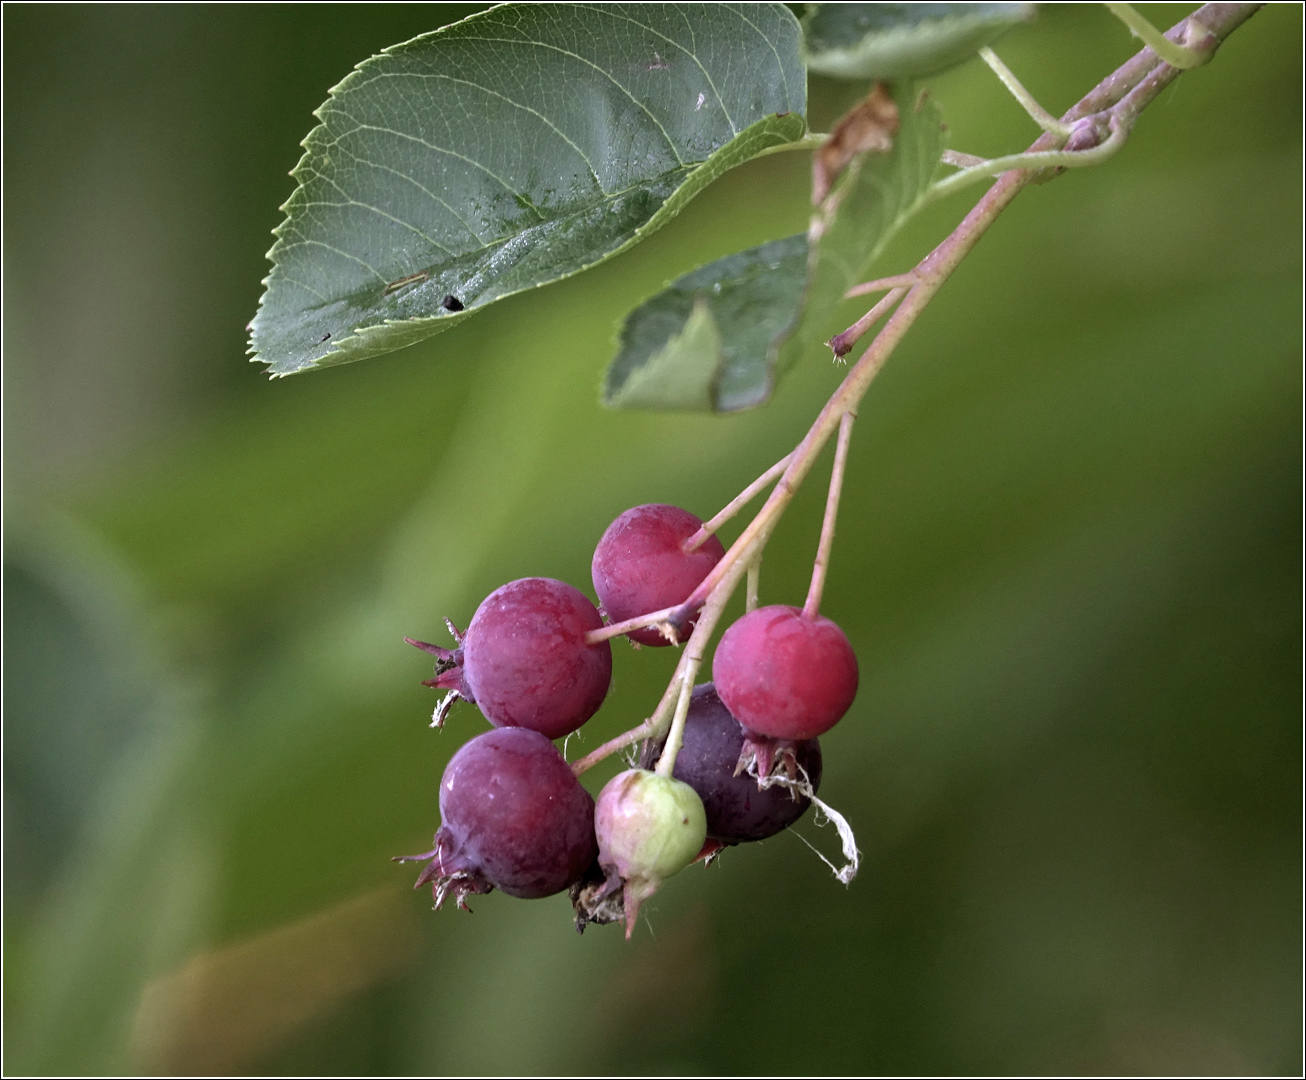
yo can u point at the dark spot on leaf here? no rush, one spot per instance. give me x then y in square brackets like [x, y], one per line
[324, 337]
[452, 303]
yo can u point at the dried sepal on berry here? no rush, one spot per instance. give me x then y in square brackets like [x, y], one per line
[448, 872]
[448, 674]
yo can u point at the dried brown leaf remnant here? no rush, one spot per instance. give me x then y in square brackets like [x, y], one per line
[869, 126]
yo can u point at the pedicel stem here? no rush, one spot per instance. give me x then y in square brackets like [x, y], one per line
[1098, 125]
[813, 605]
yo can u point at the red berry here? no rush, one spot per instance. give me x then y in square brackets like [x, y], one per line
[513, 817]
[641, 564]
[524, 660]
[784, 675]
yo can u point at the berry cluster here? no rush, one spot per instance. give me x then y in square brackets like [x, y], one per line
[740, 762]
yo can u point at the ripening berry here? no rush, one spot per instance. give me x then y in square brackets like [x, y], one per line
[784, 675]
[649, 827]
[641, 565]
[513, 817]
[737, 808]
[524, 660]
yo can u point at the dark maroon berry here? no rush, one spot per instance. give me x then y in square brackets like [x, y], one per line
[641, 565]
[737, 811]
[513, 817]
[784, 675]
[524, 660]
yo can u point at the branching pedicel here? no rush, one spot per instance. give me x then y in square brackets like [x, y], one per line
[1110, 108]
[768, 706]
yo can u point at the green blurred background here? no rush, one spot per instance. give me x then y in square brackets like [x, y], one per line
[1069, 560]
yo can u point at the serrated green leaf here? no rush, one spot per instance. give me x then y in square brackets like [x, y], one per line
[702, 342]
[514, 148]
[873, 198]
[901, 41]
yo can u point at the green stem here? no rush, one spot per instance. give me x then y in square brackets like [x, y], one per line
[1043, 159]
[958, 160]
[1038, 114]
[676, 736]
[625, 739]
[692, 659]
[1174, 54]
[593, 637]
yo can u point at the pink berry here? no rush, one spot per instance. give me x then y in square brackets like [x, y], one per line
[784, 675]
[641, 565]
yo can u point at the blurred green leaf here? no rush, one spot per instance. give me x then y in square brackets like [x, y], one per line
[869, 203]
[514, 148]
[901, 41]
[108, 869]
[702, 342]
[682, 374]
[717, 337]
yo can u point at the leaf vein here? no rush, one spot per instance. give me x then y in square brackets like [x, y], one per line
[309, 242]
[502, 97]
[417, 184]
[672, 41]
[360, 126]
[607, 75]
[375, 209]
[770, 45]
[307, 288]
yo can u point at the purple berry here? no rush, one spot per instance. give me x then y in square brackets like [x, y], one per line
[641, 565]
[784, 675]
[524, 660]
[737, 809]
[513, 817]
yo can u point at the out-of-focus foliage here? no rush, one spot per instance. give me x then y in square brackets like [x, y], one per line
[901, 41]
[1068, 558]
[717, 338]
[710, 328]
[869, 202]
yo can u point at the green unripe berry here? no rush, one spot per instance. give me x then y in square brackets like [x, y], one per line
[649, 828]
